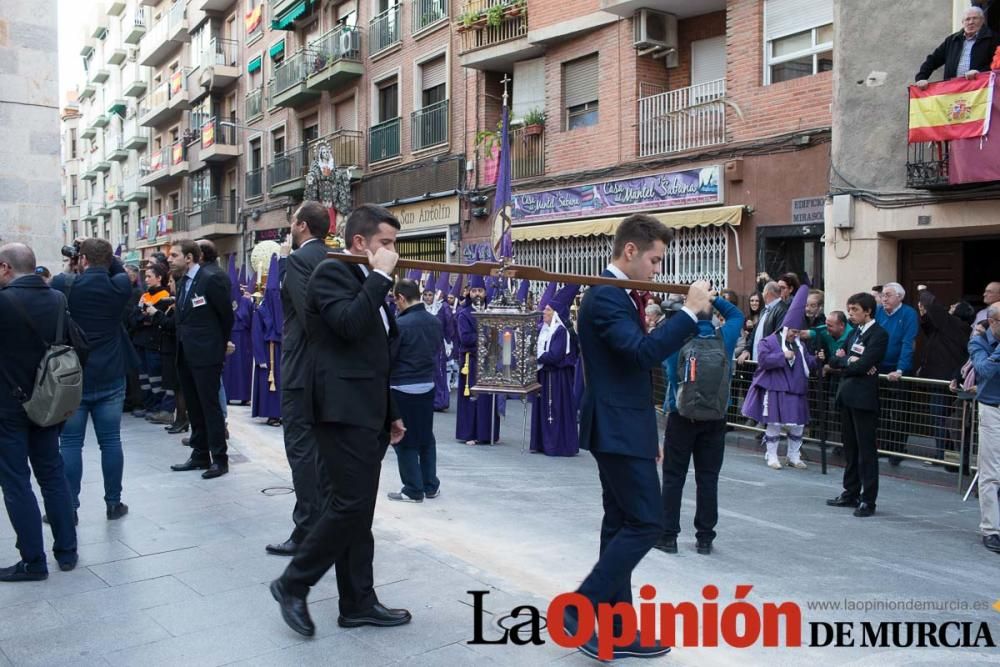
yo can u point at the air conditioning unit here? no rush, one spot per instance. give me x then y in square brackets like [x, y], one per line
[349, 42]
[133, 54]
[654, 30]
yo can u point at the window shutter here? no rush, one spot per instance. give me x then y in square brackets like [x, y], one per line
[529, 86]
[434, 73]
[787, 17]
[580, 81]
[708, 60]
[344, 116]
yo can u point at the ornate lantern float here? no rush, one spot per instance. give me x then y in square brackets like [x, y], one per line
[507, 334]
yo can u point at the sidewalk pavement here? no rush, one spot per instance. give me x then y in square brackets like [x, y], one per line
[182, 580]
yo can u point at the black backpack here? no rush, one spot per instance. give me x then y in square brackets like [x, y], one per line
[703, 379]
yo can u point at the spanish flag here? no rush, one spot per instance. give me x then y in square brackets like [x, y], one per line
[955, 109]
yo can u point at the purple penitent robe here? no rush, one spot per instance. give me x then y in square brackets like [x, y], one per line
[553, 412]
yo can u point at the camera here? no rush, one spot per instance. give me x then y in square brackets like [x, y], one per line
[71, 252]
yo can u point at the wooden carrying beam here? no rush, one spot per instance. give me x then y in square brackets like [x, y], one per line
[497, 270]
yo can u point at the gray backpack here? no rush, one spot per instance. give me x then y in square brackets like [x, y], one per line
[58, 387]
[703, 379]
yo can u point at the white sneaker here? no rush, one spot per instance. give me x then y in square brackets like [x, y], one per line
[772, 462]
[796, 463]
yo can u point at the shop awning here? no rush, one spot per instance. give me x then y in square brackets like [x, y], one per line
[254, 65]
[284, 20]
[118, 107]
[276, 49]
[702, 217]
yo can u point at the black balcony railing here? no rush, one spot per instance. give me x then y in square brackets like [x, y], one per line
[383, 140]
[255, 103]
[288, 166]
[347, 147]
[429, 126]
[255, 183]
[342, 43]
[213, 211]
[383, 30]
[224, 131]
[927, 164]
[427, 12]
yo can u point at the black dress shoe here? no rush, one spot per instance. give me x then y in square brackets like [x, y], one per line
[377, 615]
[186, 442]
[843, 500]
[287, 548]
[704, 547]
[865, 509]
[21, 571]
[667, 545]
[992, 542]
[215, 470]
[117, 511]
[178, 428]
[67, 563]
[191, 464]
[294, 610]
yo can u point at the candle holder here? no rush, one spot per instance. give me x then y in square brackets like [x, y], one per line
[507, 336]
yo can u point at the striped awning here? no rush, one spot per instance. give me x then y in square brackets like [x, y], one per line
[701, 217]
[276, 49]
[284, 20]
[254, 65]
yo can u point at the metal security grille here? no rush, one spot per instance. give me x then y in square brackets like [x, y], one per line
[427, 248]
[415, 180]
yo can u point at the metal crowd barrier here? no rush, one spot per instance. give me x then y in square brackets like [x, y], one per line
[921, 420]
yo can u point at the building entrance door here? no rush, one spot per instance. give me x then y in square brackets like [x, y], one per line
[952, 269]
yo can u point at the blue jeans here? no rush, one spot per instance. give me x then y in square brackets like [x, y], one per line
[416, 453]
[22, 442]
[105, 406]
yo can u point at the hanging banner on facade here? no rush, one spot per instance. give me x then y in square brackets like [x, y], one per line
[949, 110]
[156, 162]
[176, 83]
[253, 18]
[675, 189]
[208, 134]
[178, 153]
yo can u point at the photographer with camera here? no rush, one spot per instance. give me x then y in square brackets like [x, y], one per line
[147, 336]
[97, 296]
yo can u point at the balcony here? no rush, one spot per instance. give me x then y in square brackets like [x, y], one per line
[429, 126]
[158, 228]
[384, 30]
[179, 165]
[220, 64]
[286, 175]
[289, 87]
[136, 136]
[87, 91]
[165, 37]
[114, 148]
[102, 166]
[254, 104]
[214, 5]
[88, 211]
[348, 148]
[255, 183]
[488, 23]
[683, 119]
[220, 140]
[134, 80]
[116, 198]
[335, 59]
[153, 108]
[100, 76]
[213, 217]
[116, 56]
[179, 95]
[100, 29]
[527, 153]
[155, 169]
[116, 7]
[101, 207]
[137, 28]
[426, 13]
[87, 49]
[133, 192]
[384, 140]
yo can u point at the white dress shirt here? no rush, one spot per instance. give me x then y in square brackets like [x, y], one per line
[621, 276]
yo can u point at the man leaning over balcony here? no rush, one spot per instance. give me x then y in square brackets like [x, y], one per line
[966, 53]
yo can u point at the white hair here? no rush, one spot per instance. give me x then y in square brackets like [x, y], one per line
[895, 287]
[975, 10]
[993, 311]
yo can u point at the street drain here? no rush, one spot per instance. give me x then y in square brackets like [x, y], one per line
[277, 490]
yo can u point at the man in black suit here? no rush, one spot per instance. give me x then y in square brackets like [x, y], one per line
[354, 419]
[857, 396]
[22, 441]
[204, 321]
[310, 225]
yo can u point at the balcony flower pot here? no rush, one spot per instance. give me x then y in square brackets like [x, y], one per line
[533, 130]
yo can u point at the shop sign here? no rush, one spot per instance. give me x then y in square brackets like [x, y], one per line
[808, 211]
[278, 234]
[427, 214]
[675, 189]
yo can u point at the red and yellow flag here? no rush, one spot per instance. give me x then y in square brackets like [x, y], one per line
[955, 109]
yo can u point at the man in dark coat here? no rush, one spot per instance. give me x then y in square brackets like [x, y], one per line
[354, 420]
[965, 53]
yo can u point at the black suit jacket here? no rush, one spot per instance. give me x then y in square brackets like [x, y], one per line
[295, 271]
[348, 350]
[857, 388]
[203, 331]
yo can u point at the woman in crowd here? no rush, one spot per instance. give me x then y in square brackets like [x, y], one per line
[148, 340]
[553, 416]
[164, 319]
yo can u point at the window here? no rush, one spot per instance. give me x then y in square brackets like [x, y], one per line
[255, 155]
[201, 187]
[278, 142]
[529, 87]
[175, 202]
[433, 78]
[125, 230]
[580, 94]
[72, 143]
[798, 39]
[74, 190]
[310, 129]
[388, 100]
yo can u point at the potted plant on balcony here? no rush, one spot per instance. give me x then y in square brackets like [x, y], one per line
[516, 8]
[534, 122]
[471, 20]
[494, 16]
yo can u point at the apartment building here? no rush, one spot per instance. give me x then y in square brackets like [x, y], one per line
[712, 115]
[71, 157]
[917, 213]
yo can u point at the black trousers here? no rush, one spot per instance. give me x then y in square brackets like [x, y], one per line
[352, 457]
[416, 453]
[858, 428]
[706, 442]
[312, 486]
[200, 385]
[633, 521]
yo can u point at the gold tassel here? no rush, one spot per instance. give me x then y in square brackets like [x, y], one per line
[270, 371]
[465, 372]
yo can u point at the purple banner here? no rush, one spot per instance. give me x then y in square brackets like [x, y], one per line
[676, 189]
